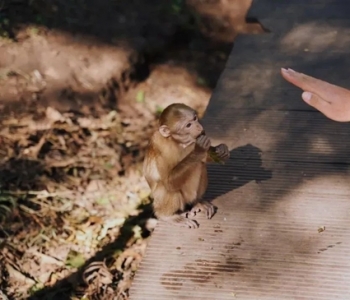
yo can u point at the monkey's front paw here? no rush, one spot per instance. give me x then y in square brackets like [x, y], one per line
[204, 206]
[222, 151]
[203, 143]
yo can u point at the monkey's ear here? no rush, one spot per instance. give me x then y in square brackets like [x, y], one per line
[164, 131]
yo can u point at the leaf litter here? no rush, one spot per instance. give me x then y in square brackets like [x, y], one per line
[69, 186]
[72, 202]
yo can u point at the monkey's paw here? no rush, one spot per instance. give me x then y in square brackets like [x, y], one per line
[222, 151]
[203, 206]
[182, 221]
[192, 224]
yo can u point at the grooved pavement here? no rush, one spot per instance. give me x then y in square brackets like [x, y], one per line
[287, 177]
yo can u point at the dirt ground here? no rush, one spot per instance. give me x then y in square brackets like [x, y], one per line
[81, 85]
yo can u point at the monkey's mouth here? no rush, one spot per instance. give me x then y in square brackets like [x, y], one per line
[202, 133]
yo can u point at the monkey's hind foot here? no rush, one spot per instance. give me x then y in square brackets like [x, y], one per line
[203, 206]
[179, 220]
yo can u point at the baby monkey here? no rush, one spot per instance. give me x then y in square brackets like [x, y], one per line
[175, 166]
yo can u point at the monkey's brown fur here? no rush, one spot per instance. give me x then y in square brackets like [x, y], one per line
[175, 165]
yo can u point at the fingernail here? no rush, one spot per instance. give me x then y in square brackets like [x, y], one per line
[306, 96]
[288, 71]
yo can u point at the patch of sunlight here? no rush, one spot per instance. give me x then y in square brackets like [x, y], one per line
[63, 57]
[325, 198]
[316, 37]
[167, 84]
[320, 145]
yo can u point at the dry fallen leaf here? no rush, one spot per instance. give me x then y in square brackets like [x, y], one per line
[321, 229]
[3, 296]
[97, 273]
[53, 115]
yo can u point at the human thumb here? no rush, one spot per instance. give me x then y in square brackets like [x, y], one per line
[315, 101]
[307, 97]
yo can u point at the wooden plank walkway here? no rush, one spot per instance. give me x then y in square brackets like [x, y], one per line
[288, 174]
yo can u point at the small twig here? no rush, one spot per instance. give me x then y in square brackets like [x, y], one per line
[17, 275]
[34, 150]
[39, 194]
[46, 258]
[60, 164]
[49, 206]
[33, 214]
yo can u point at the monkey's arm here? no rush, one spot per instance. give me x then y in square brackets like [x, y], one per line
[156, 170]
[174, 178]
[182, 171]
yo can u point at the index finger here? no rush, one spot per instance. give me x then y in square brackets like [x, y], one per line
[316, 86]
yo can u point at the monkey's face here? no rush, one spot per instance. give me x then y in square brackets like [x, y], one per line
[180, 122]
[187, 128]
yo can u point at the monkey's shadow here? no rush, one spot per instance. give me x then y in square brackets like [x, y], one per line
[244, 165]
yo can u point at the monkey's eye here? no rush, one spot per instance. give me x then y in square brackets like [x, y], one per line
[188, 125]
[195, 118]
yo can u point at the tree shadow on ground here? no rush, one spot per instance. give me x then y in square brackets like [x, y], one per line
[149, 34]
[64, 289]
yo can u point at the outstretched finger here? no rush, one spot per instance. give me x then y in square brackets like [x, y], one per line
[303, 81]
[324, 89]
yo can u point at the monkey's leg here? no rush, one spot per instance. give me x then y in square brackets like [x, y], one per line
[200, 205]
[166, 206]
